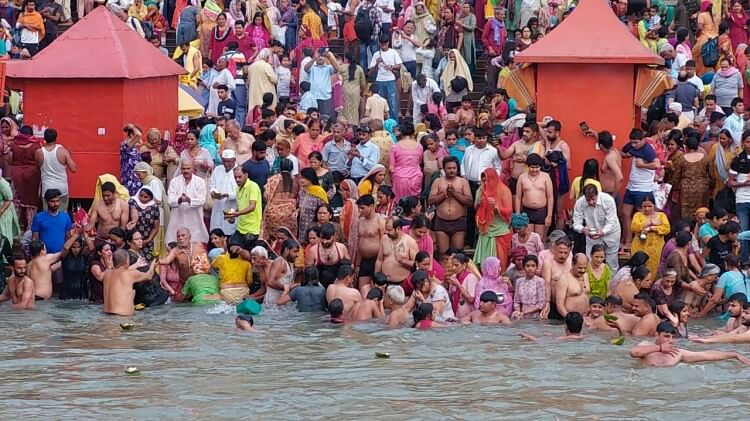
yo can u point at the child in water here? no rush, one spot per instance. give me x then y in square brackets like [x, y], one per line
[423, 317]
[244, 322]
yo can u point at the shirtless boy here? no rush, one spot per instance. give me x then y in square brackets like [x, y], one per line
[342, 290]
[535, 196]
[40, 269]
[573, 328]
[452, 196]
[519, 150]
[487, 313]
[108, 213]
[372, 307]
[663, 353]
[371, 228]
[595, 319]
[118, 284]
[572, 293]
[20, 288]
[397, 252]
[466, 115]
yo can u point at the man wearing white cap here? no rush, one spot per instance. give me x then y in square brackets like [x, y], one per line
[676, 109]
[223, 190]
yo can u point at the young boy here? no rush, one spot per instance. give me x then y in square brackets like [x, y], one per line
[573, 327]
[376, 106]
[307, 100]
[244, 322]
[372, 307]
[284, 73]
[336, 308]
[595, 319]
[466, 115]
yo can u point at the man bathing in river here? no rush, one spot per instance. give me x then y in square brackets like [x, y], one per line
[371, 228]
[573, 327]
[118, 283]
[487, 313]
[20, 288]
[397, 252]
[40, 269]
[663, 353]
[342, 290]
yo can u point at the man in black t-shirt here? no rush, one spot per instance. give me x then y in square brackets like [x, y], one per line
[723, 244]
[227, 107]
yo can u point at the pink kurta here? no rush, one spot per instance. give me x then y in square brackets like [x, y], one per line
[187, 215]
[407, 173]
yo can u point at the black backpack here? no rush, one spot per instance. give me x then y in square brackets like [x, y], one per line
[363, 24]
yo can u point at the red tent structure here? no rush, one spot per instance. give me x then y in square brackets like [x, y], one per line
[587, 70]
[88, 84]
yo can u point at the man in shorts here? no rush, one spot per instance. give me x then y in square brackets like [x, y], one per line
[644, 164]
[452, 196]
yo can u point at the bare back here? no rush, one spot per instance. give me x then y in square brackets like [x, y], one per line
[119, 292]
[611, 170]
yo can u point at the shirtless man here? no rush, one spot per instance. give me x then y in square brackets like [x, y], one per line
[572, 292]
[739, 335]
[573, 328]
[552, 270]
[610, 175]
[238, 141]
[535, 196]
[595, 319]
[643, 307]
[371, 228]
[182, 256]
[663, 353]
[41, 268]
[553, 142]
[118, 283]
[519, 150]
[20, 288]
[640, 280]
[397, 252]
[613, 306]
[396, 300]
[452, 196]
[342, 290]
[110, 212]
[487, 313]
[327, 255]
[372, 307]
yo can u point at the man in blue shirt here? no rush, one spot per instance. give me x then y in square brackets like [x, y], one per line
[319, 77]
[52, 226]
[364, 156]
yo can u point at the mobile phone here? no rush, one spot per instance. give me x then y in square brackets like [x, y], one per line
[584, 127]
[322, 50]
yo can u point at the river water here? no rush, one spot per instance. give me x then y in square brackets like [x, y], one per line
[65, 360]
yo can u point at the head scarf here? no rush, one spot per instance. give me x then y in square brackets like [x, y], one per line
[420, 128]
[350, 216]
[519, 251]
[492, 281]
[706, 6]
[317, 191]
[119, 188]
[519, 220]
[494, 188]
[206, 140]
[150, 177]
[371, 188]
[13, 128]
[389, 125]
[236, 15]
[143, 206]
[458, 68]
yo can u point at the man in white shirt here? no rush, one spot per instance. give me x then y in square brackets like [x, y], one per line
[387, 63]
[223, 77]
[735, 123]
[31, 27]
[710, 106]
[421, 93]
[477, 158]
[599, 213]
[387, 7]
[692, 77]
[223, 189]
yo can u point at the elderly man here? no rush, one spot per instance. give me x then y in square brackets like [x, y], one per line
[187, 193]
[118, 283]
[599, 213]
[187, 259]
[238, 141]
[223, 191]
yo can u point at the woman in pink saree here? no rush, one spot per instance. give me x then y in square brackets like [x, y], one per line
[258, 33]
[492, 280]
[737, 24]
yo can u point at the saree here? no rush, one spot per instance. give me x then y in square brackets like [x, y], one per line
[208, 16]
[495, 235]
[280, 209]
[350, 217]
[207, 141]
[5, 144]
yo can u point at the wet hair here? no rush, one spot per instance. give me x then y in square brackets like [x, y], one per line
[646, 298]
[396, 294]
[420, 257]
[420, 221]
[682, 238]
[310, 276]
[50, 135]
[595, 299]
[366, 200]
[638, 258]
[316, 230]
[396, 221]
[729, 227]
[450, 158]
[120, 258]
[665, 326]
[36, 247]
[247, 318]
[605, 139]
[118, 232]
[421, 312]
[109, 187]
[534, 160]
[739, 297]
[289, 244]
[327, 231]
[639, 272]
[375, 294]
[418, 279]
[380, 279]
[336, 307]
[574, 322]
[344, 271]
[613, 300]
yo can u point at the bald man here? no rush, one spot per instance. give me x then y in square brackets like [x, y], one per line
[187, 194]
[572, 293]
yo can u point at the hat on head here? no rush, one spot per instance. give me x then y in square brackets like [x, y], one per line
[676, 107]
[228, 154]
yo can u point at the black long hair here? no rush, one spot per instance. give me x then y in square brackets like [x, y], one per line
[352, 65]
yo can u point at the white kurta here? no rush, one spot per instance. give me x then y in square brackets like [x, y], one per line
[188, 215]
[222, 181]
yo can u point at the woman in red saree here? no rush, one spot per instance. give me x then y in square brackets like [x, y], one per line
[25, 172]
[737, 24]
[494, 205]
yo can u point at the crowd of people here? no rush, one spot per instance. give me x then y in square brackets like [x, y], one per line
[307, 181]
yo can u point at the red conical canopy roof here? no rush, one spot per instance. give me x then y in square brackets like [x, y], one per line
[591, 34]
[99, 46]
